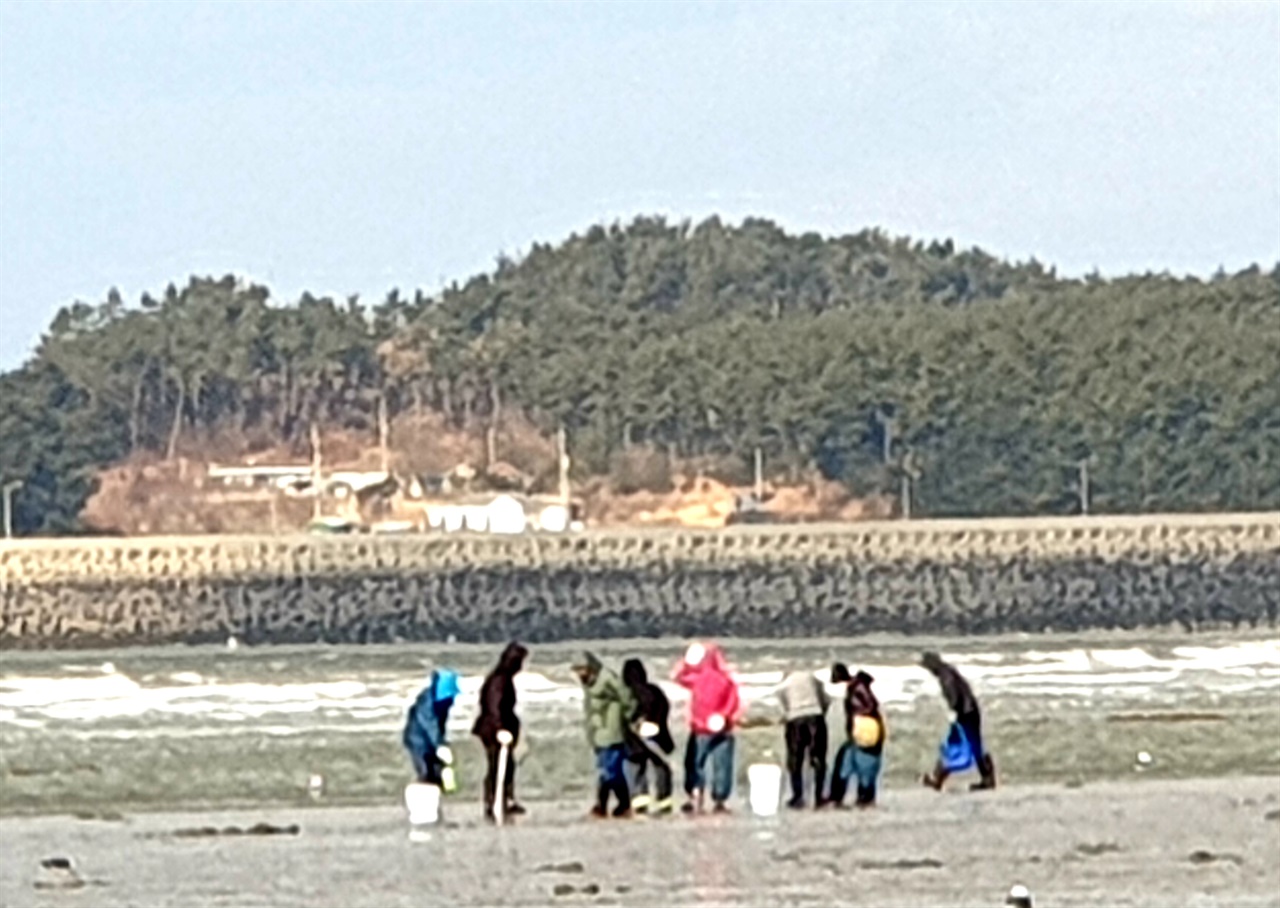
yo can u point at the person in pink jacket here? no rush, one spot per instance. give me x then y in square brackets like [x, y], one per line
[714, 709]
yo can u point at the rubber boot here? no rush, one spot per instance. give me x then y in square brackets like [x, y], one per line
[987, 767]
[935, 779]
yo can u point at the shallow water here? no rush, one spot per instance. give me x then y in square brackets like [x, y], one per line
[132, 729]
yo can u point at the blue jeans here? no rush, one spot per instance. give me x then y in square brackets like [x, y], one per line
[610, 764]
[719, 750]
[854, 762]
[612, 777]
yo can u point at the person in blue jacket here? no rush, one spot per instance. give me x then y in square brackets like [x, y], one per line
[424, 727]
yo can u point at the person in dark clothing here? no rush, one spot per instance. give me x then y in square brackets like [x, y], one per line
[860, 756]
[804, 703]
[649, 738]
[959, 696]
[497, 715]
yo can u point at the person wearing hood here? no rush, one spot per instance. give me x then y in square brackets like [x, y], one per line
[649, 739]
[959, 696]
[860, 756]
[498, 721]
[804, 703]
[608, 704]
[714, 708]
[425, 727]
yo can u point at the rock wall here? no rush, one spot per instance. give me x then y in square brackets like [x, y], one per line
[959, 576]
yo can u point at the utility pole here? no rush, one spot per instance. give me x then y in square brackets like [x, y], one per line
[9, 488]
[384, 433]
[886, 432]
[759, 475]
[316, 465]
[1083, 466]
[910, 473]
[562, 444]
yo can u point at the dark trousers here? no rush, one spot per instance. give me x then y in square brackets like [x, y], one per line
[641, 759]
[491, 752]
[717, 750]
[807, 737]
[426, 767]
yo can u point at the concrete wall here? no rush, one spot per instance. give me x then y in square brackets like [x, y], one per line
[916, 576]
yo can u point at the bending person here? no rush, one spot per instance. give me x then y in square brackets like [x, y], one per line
[959, 696]
[425, 727]
[649, 738]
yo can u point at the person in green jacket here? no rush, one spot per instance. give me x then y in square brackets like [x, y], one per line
[607, 702]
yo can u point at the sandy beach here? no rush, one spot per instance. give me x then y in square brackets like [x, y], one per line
[1145, 842]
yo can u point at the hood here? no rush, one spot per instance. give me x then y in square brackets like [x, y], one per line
[932, 661]
[714, 660]
[840, 673]
[444, 685]
[589, 664]
[633, 673]
[863, 677]
[512, 660]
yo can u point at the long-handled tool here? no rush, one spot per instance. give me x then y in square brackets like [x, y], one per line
[505, 738]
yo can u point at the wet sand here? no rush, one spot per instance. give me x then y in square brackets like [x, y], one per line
[1140, 842]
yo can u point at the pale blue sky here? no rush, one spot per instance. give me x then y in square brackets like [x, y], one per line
[352, 148]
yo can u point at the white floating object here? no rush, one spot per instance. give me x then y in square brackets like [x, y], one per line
[108, 668]
[423, 803]
[315, 785]
[232, 644]
[1019, 896]
[1144, 758]
[765, 782]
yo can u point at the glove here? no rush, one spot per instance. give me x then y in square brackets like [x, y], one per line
[505, 737]
[649, 730]
[444, 754]
[716, 723]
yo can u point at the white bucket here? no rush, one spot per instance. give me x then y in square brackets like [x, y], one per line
[765, 781]
[423, 803]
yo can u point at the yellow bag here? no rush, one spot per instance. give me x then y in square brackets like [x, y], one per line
[867, 731]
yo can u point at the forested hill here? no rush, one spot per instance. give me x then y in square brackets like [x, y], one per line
[860, 357]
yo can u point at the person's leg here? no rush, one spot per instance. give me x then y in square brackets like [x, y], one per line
[818, 759]
[420, 766]
[867, 766]
[491, 750]
[839, 775]
[722, 771]
[691, 765]
[618, 779]
[795, 760]
[972, 725]
[662, 783]
[509, 785]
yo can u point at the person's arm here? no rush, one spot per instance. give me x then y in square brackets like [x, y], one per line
[824, 699]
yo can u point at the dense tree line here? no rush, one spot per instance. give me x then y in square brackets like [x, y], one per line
[863, 357]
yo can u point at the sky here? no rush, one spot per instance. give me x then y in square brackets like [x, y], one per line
[344, 147]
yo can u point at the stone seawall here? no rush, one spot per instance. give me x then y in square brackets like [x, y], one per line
[960, 576]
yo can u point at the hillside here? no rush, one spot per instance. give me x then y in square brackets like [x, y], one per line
[670, 349]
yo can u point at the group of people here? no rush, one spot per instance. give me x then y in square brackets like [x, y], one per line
[627, 726]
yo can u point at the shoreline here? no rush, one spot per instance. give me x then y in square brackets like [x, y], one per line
[1140, 842]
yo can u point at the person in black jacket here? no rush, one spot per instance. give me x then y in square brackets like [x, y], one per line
[498, 714]
[959, 696]
[651, 715]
